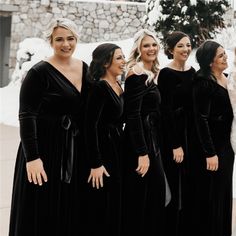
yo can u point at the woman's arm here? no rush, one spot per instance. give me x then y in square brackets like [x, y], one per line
[30, 100]
[167, 87]
[134, 91]
[202, 95]
[94, 107]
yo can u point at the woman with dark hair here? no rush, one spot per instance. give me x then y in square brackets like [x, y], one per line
[103, 129]
[175, 84]
[145, 190]
[213, 167]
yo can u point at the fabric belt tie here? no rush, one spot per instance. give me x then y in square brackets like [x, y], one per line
[67, 159]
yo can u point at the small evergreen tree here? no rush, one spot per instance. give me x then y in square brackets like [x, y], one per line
[199, 19]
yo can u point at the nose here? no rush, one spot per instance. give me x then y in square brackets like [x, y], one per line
[153, 47]
[65, 43]
[123, 60]
[186, 48]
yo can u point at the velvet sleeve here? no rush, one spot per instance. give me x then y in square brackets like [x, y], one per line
[94, 107]
[30, 101]
[167, 86]
[202, 92]
[134, 91]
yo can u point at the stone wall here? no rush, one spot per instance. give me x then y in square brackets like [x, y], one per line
[96, 21]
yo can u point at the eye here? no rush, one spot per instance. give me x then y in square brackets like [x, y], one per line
[58, 39]
[120, 57]
[71, 38]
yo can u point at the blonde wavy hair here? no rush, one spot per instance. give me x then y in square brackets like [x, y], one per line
[135, 55]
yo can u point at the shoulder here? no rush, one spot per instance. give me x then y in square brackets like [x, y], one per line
[203, 84]
[166, 76]
[135, 80]
[96, 91]
[163, 71]
[40, 66]
[37, 70]
[135, 70]
[99, 86]
[135, 75]
[36, 77]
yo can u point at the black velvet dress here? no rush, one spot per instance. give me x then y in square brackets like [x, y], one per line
[103, 130]
[51, 118]
[143, 197]
[176, 106]
[213, 189]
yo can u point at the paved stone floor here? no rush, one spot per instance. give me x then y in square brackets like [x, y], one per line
[9, 140]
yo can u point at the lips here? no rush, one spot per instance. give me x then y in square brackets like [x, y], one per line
[151, 54]
[65, 50]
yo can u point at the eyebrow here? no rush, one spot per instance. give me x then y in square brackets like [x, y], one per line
[220, 53]
[70, 36]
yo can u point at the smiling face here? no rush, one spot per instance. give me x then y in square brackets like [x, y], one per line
[117, 65]
[63, 42]
[182, 49]
[149, 49]
[219, 63]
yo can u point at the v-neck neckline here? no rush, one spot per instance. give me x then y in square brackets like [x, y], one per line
[66, 79]
[118, 95]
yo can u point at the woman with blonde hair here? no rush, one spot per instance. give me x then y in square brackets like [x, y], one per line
[48, 181]
[144, 184]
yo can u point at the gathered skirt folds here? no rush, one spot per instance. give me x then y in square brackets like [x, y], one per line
[143, 198]
[212, 196]
[56, 207]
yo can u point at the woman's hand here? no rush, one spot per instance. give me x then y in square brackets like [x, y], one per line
[36, 172]
[178, 155]
[212, 163]
[143, 165]
[96, 175]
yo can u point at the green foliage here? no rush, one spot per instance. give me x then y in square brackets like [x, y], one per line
[200, 21]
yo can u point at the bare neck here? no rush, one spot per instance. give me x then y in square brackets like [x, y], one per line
[178, 65]
[61, 61]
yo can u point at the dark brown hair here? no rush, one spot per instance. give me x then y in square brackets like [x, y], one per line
[102, 55]
[171, 40]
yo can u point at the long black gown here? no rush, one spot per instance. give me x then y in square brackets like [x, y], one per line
[212, 204]
[103, 130]
[51, 114]
[143, 200]
[177, 119]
